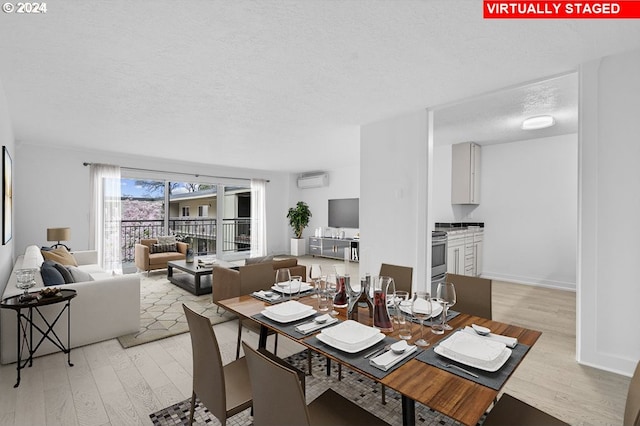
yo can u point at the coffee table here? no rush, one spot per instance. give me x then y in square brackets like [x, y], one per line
[195, 278]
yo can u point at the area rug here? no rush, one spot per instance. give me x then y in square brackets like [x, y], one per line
[161, 313]
[361, 390]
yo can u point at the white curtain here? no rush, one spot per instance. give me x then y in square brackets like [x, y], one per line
[258, 218]
[104, 222]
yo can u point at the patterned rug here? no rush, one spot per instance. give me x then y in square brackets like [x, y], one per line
[161, 313]
[361, 390]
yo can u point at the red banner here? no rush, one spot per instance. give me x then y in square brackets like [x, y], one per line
[499, 9]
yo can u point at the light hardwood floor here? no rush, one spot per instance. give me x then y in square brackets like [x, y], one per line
[113, 386]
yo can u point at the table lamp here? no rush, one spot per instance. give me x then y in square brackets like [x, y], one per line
[59, 234]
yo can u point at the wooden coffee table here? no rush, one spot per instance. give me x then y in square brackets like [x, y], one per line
[194, 278]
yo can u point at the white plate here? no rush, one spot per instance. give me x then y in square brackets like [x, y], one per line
[288, 311]
[350, 348]
[436, 308]
[481, 365]
[473, 347]
[284, 288]
[350, 332]
[285, 320]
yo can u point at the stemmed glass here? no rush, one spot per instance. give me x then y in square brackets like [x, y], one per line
[315, 273]
[446, 296]
[283, 279]
[25, 280]
[421, 309]
[332, 289]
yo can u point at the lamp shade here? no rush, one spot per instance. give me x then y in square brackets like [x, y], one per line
[58, 234]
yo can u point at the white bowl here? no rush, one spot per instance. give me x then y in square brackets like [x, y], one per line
[399, 347]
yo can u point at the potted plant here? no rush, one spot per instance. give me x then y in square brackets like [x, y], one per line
[298, 219]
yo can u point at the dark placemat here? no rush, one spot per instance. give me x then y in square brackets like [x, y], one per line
[357, 360]
[282, 298]
[494, 380]
[290, 328]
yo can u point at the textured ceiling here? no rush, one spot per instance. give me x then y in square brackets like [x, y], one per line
[277, 85]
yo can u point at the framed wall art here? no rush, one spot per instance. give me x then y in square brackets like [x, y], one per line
[7, 196]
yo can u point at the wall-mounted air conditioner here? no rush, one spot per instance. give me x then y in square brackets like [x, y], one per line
[313, 180]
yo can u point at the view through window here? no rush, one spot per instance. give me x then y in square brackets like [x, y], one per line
[196, 213]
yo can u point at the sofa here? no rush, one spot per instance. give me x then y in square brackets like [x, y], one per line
[256, 274]
[148, 259]
[106, 305]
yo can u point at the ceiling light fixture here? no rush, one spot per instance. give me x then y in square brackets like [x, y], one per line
[538, 122]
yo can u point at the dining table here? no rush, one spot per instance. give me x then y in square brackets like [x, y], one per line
[450, 392]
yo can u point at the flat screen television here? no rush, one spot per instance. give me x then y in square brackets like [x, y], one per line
[344, 213]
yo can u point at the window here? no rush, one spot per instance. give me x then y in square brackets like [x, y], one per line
[203, 211]
[185, 212]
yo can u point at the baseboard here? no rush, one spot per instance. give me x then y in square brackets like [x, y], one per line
[536, 282]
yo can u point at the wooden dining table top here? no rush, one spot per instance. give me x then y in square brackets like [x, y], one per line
[454, 396]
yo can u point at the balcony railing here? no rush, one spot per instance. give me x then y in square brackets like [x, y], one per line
[200, 233]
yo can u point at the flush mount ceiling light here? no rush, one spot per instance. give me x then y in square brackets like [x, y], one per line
[538, 122]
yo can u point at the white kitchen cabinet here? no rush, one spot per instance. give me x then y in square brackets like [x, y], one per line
[477, 249]
[465, 173]
[455, 253]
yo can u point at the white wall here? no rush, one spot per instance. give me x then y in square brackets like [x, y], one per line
[529, 206]
[6, 139]
[52, 190]
[393, 163]
[608, 290]
[344, 182]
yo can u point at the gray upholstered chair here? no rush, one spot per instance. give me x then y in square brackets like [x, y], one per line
[287, 406]
[473, 295]
[224, 390]
[632, 407]
[509, 411]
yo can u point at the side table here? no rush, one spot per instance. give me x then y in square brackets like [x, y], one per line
[26, 324]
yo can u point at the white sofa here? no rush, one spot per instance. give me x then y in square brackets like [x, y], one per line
[103, 309]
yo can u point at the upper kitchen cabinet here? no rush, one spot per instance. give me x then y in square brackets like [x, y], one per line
[465, 173]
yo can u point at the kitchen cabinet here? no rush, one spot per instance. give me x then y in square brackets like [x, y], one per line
[464, 252]
[455, 253]
[333, 248]
[465, 173]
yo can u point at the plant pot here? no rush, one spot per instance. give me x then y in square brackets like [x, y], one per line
[298, 247]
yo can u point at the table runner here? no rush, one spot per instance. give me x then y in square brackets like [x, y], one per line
[494, 380]
[357, 359]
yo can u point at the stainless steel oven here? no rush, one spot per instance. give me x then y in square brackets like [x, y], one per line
[438, 259]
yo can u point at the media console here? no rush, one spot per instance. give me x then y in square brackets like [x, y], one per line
[334, 247]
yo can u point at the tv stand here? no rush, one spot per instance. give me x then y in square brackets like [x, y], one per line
[334, 247]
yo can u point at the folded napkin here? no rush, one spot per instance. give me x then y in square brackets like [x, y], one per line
[263, 295]
[312, 326]
[510, 342]
[389, 358]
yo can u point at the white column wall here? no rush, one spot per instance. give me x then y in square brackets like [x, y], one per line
[6, 139]
[608, 291]
[393, 163]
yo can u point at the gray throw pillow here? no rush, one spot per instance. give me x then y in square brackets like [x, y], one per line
[262, 259]
[50, 275]
[167, 239]
[68, 278]
[164, 248]
[79, 275]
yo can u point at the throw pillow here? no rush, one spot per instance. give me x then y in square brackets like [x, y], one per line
[50, 275]
[163, 248]
[60, 255]
[261, 259]
[79, 275]
[167, 239]
[66, 275]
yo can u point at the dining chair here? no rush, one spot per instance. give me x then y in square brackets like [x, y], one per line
[509, 411]
[402, 275]
[255, 277]
[224, 390]
[632, 406]
[473, 295]
[288, 406]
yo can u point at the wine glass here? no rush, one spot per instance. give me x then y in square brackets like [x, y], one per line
[421, 309]
[446, 296]
[315, 273]
[283, 280]
[25, 280]
[332, 289]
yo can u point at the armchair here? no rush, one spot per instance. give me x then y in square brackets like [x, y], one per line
[146, 260]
